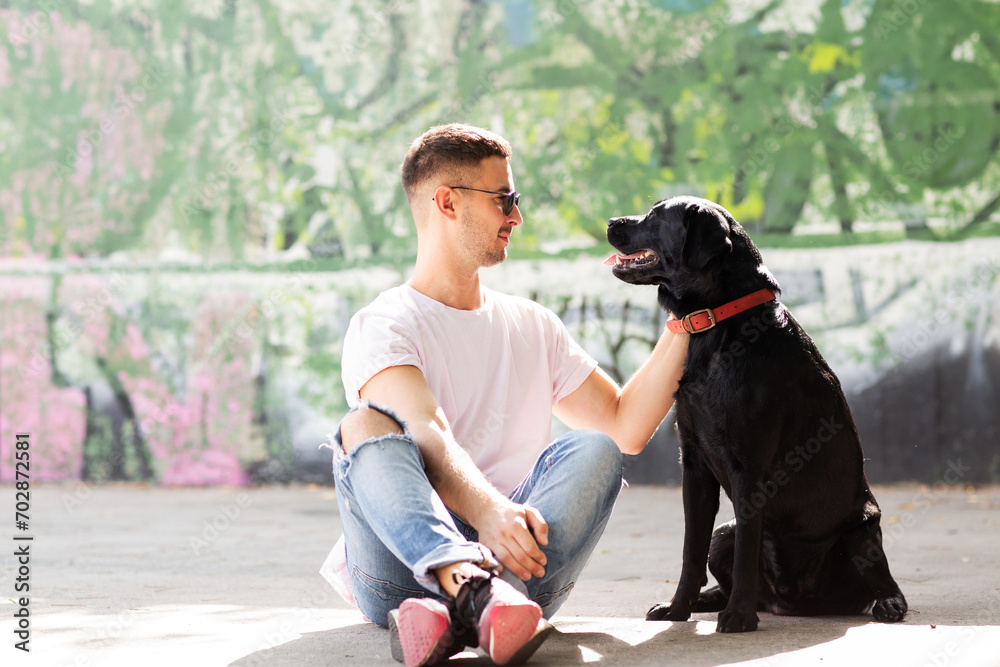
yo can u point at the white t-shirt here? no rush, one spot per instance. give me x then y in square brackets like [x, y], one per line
[497, 372]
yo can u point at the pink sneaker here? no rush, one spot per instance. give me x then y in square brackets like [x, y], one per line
[421, 633]
[509, 625]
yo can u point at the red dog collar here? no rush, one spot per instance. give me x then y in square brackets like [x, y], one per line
[706, 318]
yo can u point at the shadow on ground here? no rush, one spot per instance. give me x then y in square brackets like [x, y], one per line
[633, 642]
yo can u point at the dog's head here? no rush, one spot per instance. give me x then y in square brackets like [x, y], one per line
[693, 249]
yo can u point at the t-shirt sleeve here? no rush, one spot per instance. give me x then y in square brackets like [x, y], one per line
[569, 363]
[374, 342]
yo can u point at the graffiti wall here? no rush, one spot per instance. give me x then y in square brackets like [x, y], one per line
[230, 378]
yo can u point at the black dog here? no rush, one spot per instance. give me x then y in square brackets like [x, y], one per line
[761, 414]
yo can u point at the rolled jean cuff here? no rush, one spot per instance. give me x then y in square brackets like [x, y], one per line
[445, 554]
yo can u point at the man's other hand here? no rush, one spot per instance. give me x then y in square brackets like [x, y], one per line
[513, 533]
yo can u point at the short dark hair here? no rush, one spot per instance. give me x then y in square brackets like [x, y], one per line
[448, 147]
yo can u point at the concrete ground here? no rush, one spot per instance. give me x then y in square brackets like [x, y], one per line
[137, 575]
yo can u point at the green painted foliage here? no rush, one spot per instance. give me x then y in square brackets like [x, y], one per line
[249, 131]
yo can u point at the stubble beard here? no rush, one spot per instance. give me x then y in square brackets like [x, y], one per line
[476, 238]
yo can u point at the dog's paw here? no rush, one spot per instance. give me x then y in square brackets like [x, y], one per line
[711, 600]
[735, 621]
[890, 610]
[666, 612]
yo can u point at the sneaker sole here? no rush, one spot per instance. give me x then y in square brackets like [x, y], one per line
[419, 633]
[512, 629]
[394, 644]
[542, 633]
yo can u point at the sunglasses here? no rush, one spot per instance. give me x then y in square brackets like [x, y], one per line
[510, 198]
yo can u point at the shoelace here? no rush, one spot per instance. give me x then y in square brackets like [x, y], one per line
[467, 600]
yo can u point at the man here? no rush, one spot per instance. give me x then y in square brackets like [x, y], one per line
[463, 526]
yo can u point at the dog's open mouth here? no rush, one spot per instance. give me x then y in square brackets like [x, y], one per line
[636, 260]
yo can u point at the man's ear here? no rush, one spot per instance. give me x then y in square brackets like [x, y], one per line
[707, 236]
[444, 201]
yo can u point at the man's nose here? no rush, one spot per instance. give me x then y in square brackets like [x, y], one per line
[515, 216]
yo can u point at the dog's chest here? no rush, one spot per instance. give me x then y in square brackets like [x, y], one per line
[711, 383]
[711, 397]
[702, 428]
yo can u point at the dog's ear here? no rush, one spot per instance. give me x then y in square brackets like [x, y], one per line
[707, 236]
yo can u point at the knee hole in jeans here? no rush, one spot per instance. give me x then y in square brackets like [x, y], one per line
[364, 424]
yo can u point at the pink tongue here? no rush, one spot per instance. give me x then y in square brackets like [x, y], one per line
[610, 261]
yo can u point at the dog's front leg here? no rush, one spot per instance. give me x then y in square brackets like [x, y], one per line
[701, 503]
[740, 615]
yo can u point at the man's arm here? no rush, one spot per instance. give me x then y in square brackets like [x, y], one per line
[504, 526]
[630, 414]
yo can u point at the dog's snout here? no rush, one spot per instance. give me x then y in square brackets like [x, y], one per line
[619, 221]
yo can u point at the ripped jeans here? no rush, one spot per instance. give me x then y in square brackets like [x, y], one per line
[398, 531]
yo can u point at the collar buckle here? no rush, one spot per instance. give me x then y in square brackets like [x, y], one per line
[689, 326]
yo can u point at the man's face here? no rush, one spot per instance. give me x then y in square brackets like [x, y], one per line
[484, 230]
